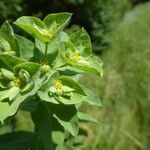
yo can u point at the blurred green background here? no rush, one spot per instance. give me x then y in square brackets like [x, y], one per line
[120, 34]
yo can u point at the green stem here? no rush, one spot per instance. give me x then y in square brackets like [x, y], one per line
[46, 49]
[43, 128]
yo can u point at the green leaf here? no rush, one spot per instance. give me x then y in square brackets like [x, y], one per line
[13, 92]
[10, 60]
[91, 98]
[4, 45]
[3, 95]
[7, 109]
[45, 97]
[94, 65]
[30, 67]
[66, 116]
[57, 21]
[74, 99]
[7, 74]
[26, 47]
[40, 45]
[70, 71]
[70, 126]
[86, 118]
[67, 81]
[58, 137]
[7, 33]
[28, 88]
[33, 26]
[43, 30]
[81, 41]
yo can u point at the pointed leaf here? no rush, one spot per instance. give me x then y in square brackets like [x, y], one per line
[4, 45]
[57, 21]
[86, 118]
[26, 47]
[7, 33]
[30, 67]
[10, 60]
[7, 74]
[33, 26]
[82, 41]
[92, 99]
[73, 84]
[13, 92]
[3, 95]
[66, 116]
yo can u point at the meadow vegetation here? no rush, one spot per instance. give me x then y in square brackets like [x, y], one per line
[125, 115]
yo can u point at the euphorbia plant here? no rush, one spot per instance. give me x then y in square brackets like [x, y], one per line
[42, 77]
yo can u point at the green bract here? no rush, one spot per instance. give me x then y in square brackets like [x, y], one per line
[78, 53]
[44, 30]
[45, 74]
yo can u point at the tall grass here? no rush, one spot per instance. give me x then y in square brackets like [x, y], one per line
[125, 89]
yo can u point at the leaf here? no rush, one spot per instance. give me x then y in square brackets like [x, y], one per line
[4, 45]
[41, 46]
[30, 67]
[74, 99]
[70, 126]
[7, 33]
[26, 47]
[73, 84]
[70, 71]
[10, 60]
[43, 30]
[45, 97]
[28, 88]
[33, 26]
[86, 118]
[91, 98]
[3, 95]
[66, 116]
[7, 74]
[13, 92]
[41, 81]
[61, 20]
[81, 39]
[58, 137]
[7, 109]
[94, 65]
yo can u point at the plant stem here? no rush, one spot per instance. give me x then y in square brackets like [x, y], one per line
[46, 49]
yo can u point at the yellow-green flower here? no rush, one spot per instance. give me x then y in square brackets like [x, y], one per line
[59, 89]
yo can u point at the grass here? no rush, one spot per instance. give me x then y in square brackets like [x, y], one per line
[125, 90]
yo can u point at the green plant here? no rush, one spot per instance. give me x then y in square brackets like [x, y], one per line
[42, 78]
